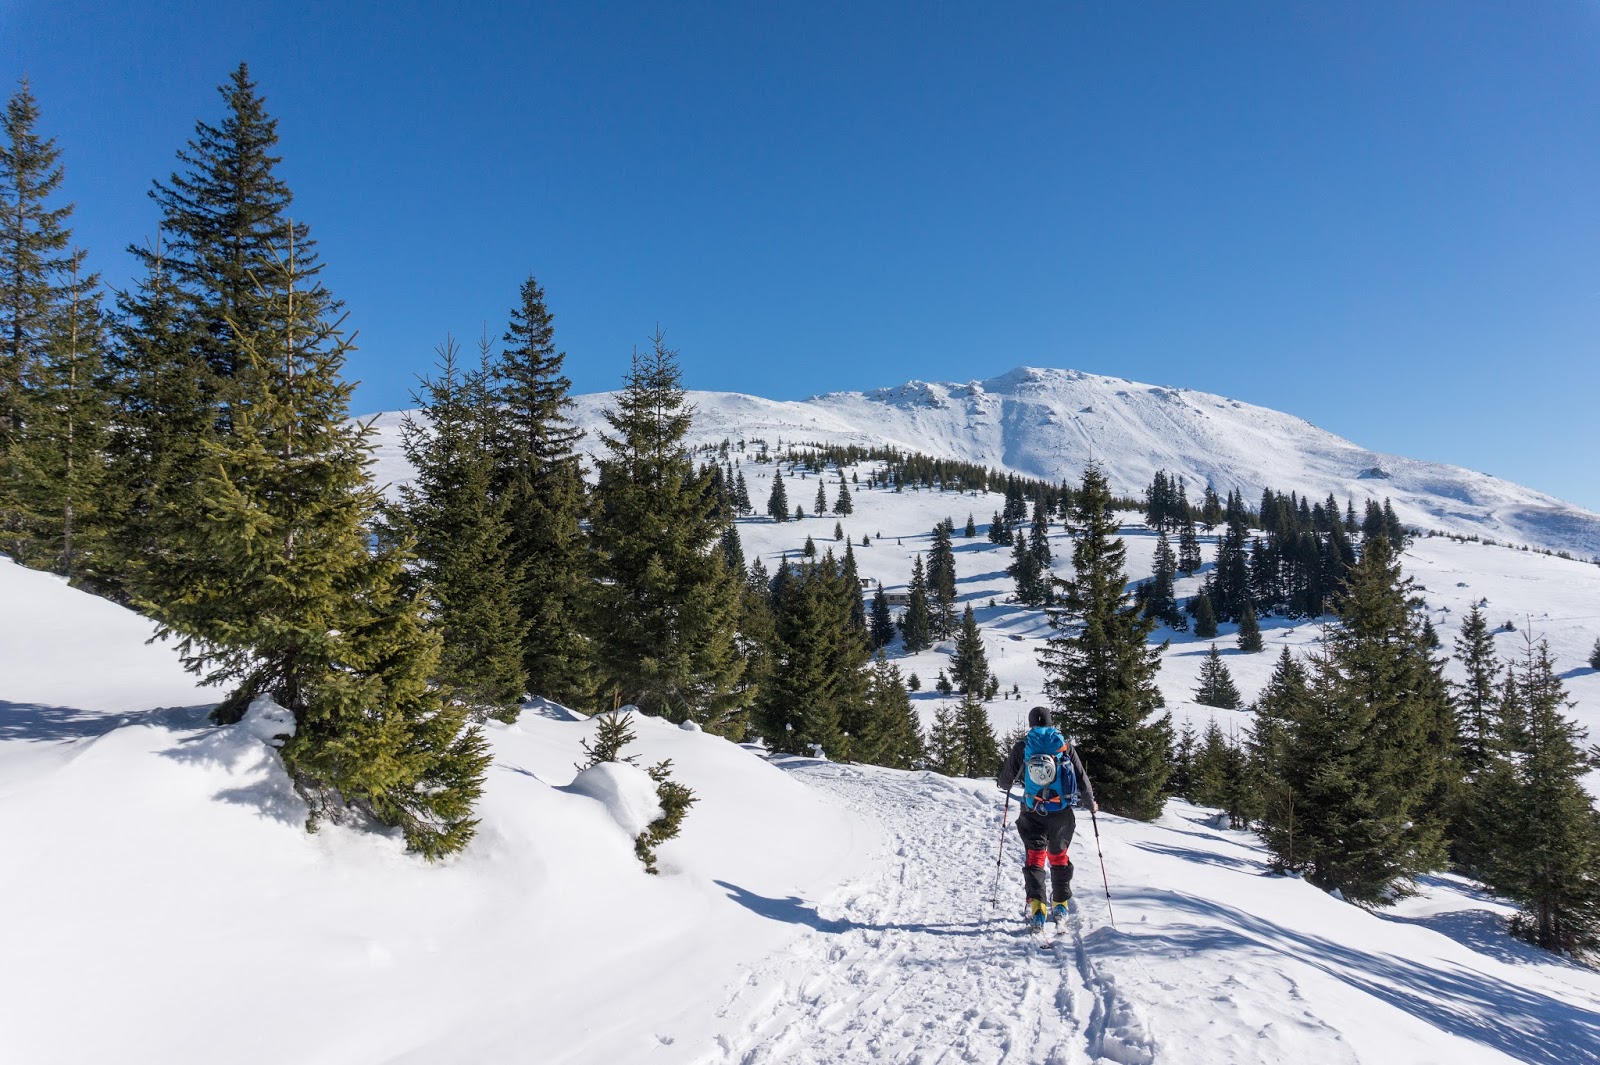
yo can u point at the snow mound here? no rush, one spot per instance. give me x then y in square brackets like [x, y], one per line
[268, 722]
[626, 791]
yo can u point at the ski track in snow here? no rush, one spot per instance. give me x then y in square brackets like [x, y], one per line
[914, 965]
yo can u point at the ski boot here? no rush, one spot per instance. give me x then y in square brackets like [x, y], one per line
[1036, 915]
[1058, 914]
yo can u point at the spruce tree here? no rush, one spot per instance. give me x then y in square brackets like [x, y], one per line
[538, 477]
[916, 625]
[225, 223]
[1181, 781]
[881, 625]
[892, 735]
[664, 608]
[1594, 655]
[460, 535]
[1214, 769]
[1367, 751]
[1544, 850]
[1205, 619]
[969, 667]
[35, 263]
[1160, 602]
[946, 747]
[980, 751]
[1101, 671]
[741, 495]
[1250, 631]
[971, 529]
[1024, 569]
[845, 505]
[778, 501]
[998, 531]
[942, 583]
[160, 424]
[1216, 684]
[1189, 557]
[822, 499]
[54, 405]
[283, 596]
[57, 461]
[1476, 696]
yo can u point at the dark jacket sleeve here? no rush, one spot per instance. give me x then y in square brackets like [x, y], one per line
[1012, 768]
[1085, 789]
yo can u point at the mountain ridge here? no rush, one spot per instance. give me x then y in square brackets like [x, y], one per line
[1049, 423]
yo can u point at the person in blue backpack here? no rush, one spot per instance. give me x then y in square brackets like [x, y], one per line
[1052, 781]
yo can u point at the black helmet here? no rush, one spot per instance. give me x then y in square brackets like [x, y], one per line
[1038, 717]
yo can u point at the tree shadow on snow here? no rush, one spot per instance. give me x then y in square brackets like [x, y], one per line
[38, 723]
[1526, 1025]
[795, 910]
[1191, 854]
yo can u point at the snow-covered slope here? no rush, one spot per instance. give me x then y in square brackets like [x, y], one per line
[1050, 423]
[160, 903]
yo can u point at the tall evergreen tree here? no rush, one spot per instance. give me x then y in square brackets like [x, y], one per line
[460, 534]
[969, 667]
[225, 221]
[1545, 845]
[822, 499]
[916, 626]
[881, 625]
[1216, 684]
[57, 461]
[539, 477]
[1205, 618]
[1250, 631]
[1024, 570]
[54, 406]
[1100, 670]
[946, 746]
[892, 735]
[35, 260]
[1160, 602]
[1366, 753]
[1189, 557]
[980, 751]
[282, 595]
[778, 501]
[160, 426]
[664, 607]
[942, 582]
[971, 528]
[1478, 694]
[845, 505]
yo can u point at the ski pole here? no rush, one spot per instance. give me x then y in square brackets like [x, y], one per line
[1095, 820]
[994, 896]
[1103, 878]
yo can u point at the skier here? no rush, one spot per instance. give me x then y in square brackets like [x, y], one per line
[1052, 780]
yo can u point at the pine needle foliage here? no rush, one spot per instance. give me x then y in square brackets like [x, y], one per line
[539, 478]
[664, 609]
[460, 534]
[1100, 670]
[281, 595]
[1543, 843]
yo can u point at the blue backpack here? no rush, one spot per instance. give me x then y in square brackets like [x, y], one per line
[1048, 781]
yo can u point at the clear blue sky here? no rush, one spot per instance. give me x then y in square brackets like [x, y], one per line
[1382, 217]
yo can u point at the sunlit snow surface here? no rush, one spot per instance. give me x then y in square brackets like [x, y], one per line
[164, 903]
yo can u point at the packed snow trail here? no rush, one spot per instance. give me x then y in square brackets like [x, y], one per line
[912, 963]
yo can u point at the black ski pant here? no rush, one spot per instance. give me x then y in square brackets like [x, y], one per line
[1046, 836]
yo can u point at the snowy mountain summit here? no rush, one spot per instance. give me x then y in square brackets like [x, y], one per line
[1050, 423]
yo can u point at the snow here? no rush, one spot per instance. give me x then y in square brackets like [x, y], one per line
[159, 885]
[626, 791]
[1050, 423]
